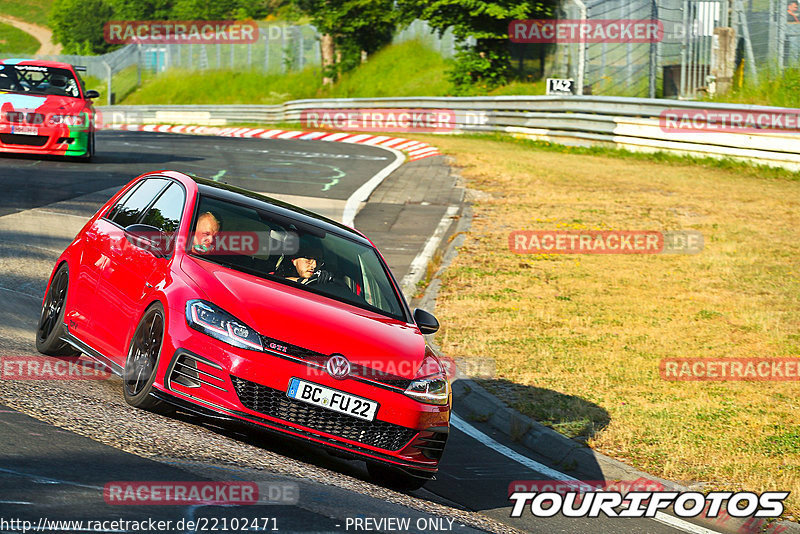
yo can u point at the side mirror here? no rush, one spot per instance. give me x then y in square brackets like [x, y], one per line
[148, 238]
[91, 93]
[426, 322]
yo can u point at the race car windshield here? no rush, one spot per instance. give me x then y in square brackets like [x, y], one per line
[38, 80]
[292, 252]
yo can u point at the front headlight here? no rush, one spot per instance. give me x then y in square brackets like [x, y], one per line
[430, 385]
[217, 323]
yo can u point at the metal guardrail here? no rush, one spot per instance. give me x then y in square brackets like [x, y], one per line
[630, 123]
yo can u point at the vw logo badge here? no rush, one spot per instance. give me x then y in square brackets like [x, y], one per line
[338, 366]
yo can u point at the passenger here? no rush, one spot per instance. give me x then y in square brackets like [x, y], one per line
[205, 233]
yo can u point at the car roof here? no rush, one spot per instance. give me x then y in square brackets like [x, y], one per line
[38, 62]
[250, 199]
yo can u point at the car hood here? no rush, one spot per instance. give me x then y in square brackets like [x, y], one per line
[311, 321]
[40, 103]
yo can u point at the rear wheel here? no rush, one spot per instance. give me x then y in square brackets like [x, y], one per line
[395, 478]
[51, 321]
[141, 364]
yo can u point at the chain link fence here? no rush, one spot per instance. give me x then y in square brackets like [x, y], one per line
[685, 63]
[279, 49]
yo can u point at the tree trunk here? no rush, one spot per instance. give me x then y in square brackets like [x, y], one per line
[327, 49]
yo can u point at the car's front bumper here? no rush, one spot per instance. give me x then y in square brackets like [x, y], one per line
[251, 386]
[57, 140]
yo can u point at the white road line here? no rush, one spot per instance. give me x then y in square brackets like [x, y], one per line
[20, 293]
[362, 193]
[48, 212]
[417, 267]
[476, 434]
[552, 474]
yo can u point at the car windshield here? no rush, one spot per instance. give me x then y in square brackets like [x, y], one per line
[38, 80]
[293, 252]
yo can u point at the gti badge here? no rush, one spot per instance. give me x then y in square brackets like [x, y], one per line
[338, 366]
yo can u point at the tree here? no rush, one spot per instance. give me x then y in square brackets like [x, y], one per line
[350, 30]
[78, 25]
[143, 9]
[219, 9]
[488, 62]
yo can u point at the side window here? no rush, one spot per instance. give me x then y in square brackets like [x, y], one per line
[121, 202]
[131, 208]
[166, 213]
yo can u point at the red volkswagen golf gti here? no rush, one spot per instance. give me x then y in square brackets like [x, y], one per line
[232, 304]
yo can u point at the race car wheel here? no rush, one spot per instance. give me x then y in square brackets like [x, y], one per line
[89, 149]
[394, 477]
[142, 361]
[51, 321]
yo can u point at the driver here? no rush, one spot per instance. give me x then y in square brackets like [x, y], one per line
[205, 233]
[306, 267]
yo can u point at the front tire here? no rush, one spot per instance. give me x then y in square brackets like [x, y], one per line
[51, 320]
[87, 158]
[141, 365]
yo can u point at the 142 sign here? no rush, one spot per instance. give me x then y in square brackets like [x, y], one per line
[560, 86]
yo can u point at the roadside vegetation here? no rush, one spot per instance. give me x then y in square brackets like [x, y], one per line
[406, 69]
[577, 339]
[772, 88]
[35, 11]
[16, 41]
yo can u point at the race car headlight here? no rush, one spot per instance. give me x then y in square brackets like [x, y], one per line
[430, 385]
[69, 120]
[217, 323]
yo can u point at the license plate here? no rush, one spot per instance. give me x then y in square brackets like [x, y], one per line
[332, 399]
[24, 130]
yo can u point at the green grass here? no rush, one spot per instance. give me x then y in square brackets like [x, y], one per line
[408, 69]
[15, 41]
[771, 89]
[225, 87]
[521, 88]
[744, 167]
[35, 11]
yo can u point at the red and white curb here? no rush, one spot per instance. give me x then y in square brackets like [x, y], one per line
[415, 150]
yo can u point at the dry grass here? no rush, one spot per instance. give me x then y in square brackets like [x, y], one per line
[578, 339]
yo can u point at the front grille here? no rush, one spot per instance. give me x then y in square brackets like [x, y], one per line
[20, 139]
[276, 404]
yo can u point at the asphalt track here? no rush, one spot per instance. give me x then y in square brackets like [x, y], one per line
[62, 441]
